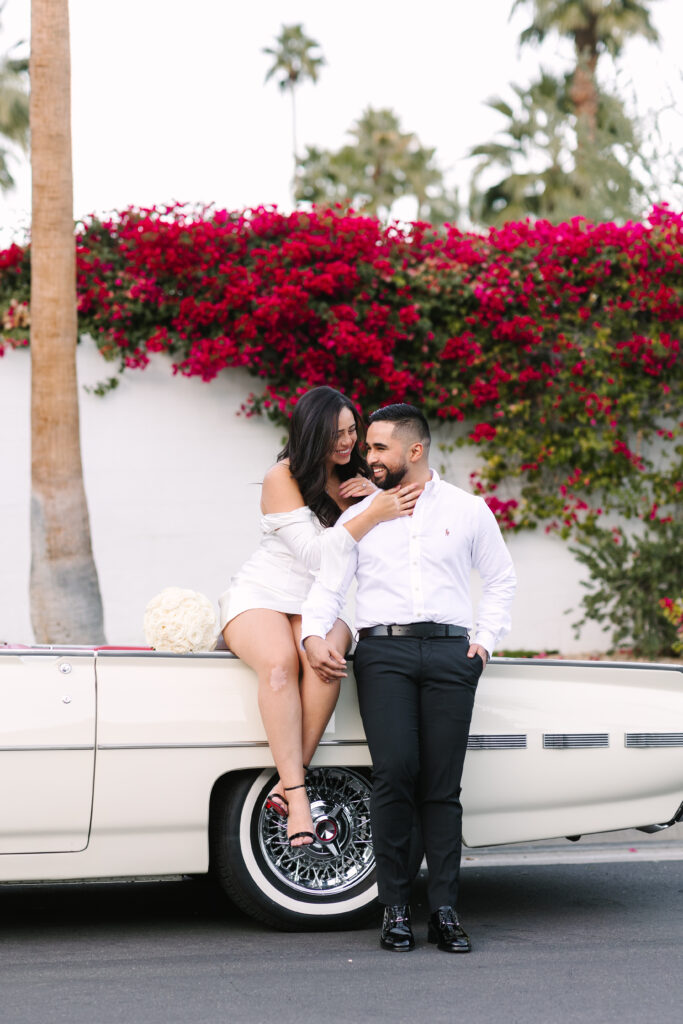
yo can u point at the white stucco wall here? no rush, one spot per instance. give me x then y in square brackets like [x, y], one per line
[172, 477]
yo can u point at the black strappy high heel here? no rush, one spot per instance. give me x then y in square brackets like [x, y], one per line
[277, 803]
[300, 835]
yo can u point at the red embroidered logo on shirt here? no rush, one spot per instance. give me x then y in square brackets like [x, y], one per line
[448, 532]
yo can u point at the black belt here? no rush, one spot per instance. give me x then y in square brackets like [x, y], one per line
[422, 629]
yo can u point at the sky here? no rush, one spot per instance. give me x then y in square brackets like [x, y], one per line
[169, 100]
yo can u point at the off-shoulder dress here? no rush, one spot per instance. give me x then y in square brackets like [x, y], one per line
[294, 547]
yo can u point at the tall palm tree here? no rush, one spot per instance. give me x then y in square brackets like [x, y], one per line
[531, 153]
[569, 147]
[66, 605]
[13, 110]
[294, 62]
[595, 27]
[536, 156]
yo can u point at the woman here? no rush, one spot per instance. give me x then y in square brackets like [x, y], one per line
[319, 473]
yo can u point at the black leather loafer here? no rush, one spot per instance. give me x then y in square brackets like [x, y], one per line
[396, 934]
[446, 931]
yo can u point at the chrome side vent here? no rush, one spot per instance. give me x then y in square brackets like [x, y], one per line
[513, 741]
[575, 740]
[644, 740]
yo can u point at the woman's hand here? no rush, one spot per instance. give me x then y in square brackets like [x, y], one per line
[356, 487]
[392, 504]
[395, 503]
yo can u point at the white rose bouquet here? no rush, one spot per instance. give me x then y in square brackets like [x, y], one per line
[180, 621]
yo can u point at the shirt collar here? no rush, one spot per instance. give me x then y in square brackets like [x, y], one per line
[432, 484]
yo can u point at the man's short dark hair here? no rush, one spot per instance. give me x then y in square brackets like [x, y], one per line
[407, 419]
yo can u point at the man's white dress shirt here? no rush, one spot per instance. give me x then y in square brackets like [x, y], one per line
[417, 569]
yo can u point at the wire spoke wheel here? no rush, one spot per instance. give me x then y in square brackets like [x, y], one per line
[329, 883]
[342, 855]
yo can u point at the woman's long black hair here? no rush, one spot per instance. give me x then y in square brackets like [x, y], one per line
[312, 436]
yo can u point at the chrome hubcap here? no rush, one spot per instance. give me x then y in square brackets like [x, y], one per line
[342, 854]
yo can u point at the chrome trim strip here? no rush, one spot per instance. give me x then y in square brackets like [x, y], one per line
[181, 746]
[578, 663]
[48, 746]
[575, 740]
[511, 741]
[85, 651]
[647, 740]
[166, 654]
[217, 746]
[49, 652]
[343, 743]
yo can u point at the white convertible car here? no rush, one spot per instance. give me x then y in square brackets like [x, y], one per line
[123, 763]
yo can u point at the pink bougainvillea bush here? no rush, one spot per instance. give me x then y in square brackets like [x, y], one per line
[673, 613]
[556, 348]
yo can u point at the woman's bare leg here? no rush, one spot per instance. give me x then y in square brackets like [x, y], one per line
[264, 640]
[318, 699]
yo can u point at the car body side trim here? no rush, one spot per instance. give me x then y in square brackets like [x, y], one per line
[217, 746]
[46, 746]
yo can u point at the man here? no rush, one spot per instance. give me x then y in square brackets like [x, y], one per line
[415, 667]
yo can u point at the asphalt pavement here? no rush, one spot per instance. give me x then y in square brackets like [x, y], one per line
[594, 941]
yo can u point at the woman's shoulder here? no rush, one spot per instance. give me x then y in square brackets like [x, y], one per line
[280, 490]
[280, 470]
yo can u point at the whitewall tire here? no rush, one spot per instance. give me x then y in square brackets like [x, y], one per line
[330, 883]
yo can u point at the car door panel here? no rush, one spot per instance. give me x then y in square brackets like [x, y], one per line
[47, 751]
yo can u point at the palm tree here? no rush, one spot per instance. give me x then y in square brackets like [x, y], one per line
[66, 605]
[568, 147]
[368, 173]
[381, 164]
[13, 110]
[536, 155]
[531, 153]
[595, 27]
[294, 62]
[382, 152]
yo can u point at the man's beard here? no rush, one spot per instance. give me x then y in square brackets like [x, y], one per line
[392, 477]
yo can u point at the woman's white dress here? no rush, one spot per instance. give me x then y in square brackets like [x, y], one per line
[294, 547]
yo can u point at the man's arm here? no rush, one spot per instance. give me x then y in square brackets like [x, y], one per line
[324, 659]
[491, 559]
[319, 613]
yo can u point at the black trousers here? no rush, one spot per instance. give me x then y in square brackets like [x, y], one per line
[416, 698]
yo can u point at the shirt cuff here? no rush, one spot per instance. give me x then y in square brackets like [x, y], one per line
[312, 629]
[485, 640]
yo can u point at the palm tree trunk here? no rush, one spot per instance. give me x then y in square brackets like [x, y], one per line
[66, 606]
[583, 93]
[583, 90]
[295, 156]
